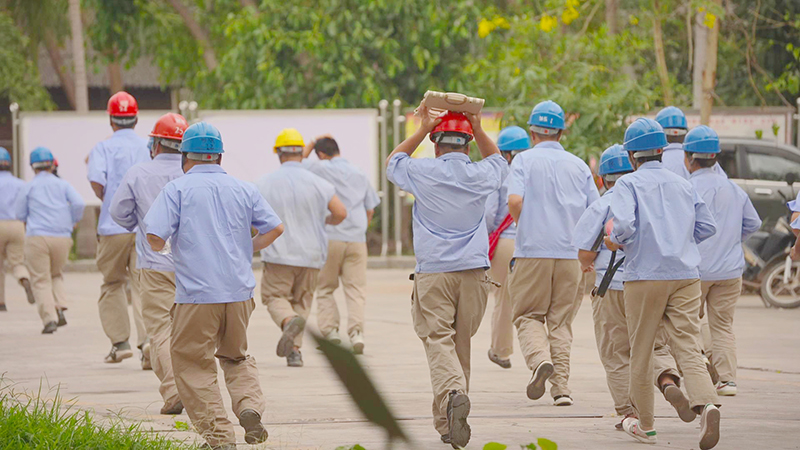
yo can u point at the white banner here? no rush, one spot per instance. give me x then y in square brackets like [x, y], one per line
[248, 137]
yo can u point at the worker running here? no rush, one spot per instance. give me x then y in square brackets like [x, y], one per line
[549, 189]
[347, 242]
[207, 217]
[139, 188]
[116, 246]
[50, 208]
[305, 203]
[12, 232]
[451, 283]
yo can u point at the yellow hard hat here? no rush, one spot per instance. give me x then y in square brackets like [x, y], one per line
[289, 137]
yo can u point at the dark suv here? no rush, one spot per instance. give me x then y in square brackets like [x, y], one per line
[766, 171]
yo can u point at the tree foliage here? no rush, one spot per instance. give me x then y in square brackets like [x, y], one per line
[19, 76]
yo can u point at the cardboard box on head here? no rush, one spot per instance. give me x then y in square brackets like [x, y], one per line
[439, 102]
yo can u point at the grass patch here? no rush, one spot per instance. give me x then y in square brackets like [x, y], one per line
[30, 422]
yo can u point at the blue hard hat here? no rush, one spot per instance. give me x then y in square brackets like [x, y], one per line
[513, 138]
[671, 117]
[547, 114]
[202, 137]
[614, 160]
[701, 139]
[644, 134]
[4, 155]
[41, 154]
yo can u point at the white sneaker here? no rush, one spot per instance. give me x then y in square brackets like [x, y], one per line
[357, 341]
[334, 337]
[631, 426]
[562, 400]
[709, 427]
[727, 389]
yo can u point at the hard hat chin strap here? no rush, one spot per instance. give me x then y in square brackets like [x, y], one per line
[290, 150]
[451, 139]
[675, 131]
[42, 165]
[123, 121]
[704, 155]
[170, 143]
[203, 156]
[544, 131]
[646, 153]
[612, 177]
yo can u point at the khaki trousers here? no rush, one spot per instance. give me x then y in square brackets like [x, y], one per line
[677, 304]
[347, 260]
[447, 309]
[201, 332]
[46, 256]
[613, 345]
[158, 296]
[545, 291]
[502, 325]
[116, 259]
[719, 301]
[288, 291]
[12, 240]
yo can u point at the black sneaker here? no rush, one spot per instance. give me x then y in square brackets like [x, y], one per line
[3, 307]
[254, 432]
[295, 359]
[26, 284]
[50, 327]
[457, 411]
[119, 351]
[445, 438]
[61, 319]
[173, 408]
[293, 327]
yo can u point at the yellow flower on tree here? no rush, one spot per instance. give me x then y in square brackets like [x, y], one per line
[548, 23]
[571, 12]
[709, 20]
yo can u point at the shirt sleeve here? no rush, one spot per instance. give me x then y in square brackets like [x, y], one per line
[76, 203]
[704, 224]
[123, 204]
[264, 217]
[589, 226]
[794, 205]
[591, 190]
[498, 171]
[96, 168]
[164, 216]
[623, 208]
[371, 201]
[751, 222]
[21, 205]
[517, 178]
[397, 171]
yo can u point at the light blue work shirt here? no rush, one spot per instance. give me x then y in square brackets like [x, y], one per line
[673, 159]
[208, 215]
[449, 204]
[556, 188]
[354, 190]
[497, 211]
[794, 206]
[137, 192]
[9, 190]
[300, 199]
[721, 255]
[49, 206]
[659, 219]
[587, 230]
[108, 162]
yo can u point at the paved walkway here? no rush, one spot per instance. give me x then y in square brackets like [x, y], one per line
[309, 409]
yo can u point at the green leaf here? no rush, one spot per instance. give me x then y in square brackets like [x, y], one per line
[547, 444]
[495, 446]
[530, 446]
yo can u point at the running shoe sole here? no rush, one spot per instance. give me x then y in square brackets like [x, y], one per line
[26, 284]
[254, 431]
[460, 431]
[358, 348]
[536, 387]
[119, 356]
[504, 363]
[641, 439]
[709, 433]
[286, 343]
[675, 397]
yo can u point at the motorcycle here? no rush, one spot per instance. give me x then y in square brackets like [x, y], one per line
[769, 268]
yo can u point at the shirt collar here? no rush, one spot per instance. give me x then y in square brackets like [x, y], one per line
[651, 165]
[701, 172]
[43, 173]
[455, 156]
[6, 173]
[206, 168]
[674, 146]
[549, 144]
[124, 131]
[168, 156]
[292, 164]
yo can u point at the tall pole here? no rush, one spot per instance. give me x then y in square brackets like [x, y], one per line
[382, 106]
[16, 165]
[78, 57]
[398, 197]
[797, 115]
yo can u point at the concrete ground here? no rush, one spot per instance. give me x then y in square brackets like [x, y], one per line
[309, 409]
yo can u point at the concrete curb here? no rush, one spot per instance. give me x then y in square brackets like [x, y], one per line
[374, 262]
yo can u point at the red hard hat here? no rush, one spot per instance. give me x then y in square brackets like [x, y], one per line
[170, 126]
[453, 122]
[122, 104]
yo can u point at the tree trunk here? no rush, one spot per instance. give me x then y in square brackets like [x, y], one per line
[661, 59]
[611, 16]
[700, 35]
[67, 83]
[710, 72]
[78, 57]
[115, 83]
[197, 32]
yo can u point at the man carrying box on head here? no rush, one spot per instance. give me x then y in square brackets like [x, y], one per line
[207, 216]
[451, 243]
